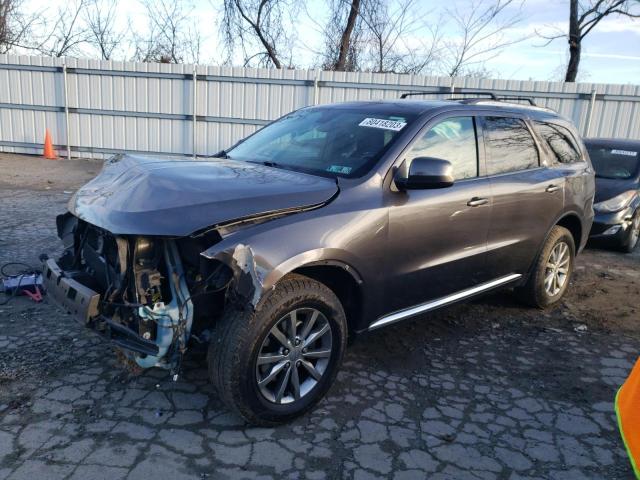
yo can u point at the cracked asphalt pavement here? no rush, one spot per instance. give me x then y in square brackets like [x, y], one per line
[486, 390]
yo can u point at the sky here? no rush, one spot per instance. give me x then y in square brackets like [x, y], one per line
[610, 54]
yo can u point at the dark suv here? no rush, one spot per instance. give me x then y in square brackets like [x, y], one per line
[330, 221]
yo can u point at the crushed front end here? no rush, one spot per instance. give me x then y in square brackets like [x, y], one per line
[148, 295]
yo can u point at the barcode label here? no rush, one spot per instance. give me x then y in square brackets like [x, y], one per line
[384, 124]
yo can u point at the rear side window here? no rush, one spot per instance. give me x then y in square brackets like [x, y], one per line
[453, 139]
[509, 145]
[559, 141]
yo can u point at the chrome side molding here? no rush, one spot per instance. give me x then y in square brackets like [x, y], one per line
[441, 302]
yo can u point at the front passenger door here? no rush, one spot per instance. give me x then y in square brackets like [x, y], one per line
[438, 237]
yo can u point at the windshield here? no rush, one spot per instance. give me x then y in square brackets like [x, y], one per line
[613, 162]
[325, 141]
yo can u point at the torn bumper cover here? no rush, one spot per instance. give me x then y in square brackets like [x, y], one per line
[248, 275]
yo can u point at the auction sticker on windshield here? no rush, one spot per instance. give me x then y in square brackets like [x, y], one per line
[629, 153]
[382, 123]
[339, 169]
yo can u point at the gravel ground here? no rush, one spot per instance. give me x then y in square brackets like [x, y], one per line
[488, 389]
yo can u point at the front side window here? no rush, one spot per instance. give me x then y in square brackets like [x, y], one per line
[559, 141]
[509, 145]
[326, 141]
[453, 139]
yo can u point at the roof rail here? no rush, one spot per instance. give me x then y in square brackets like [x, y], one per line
[468, 92]
[518, 97]
[491, 96]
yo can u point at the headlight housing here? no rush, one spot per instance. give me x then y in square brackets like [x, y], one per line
[616, 203]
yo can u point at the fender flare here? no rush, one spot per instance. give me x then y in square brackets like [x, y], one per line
[253, 276]
[564, 214]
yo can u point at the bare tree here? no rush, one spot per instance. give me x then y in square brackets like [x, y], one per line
[480, 35]
[342, 35]
[171, 36]
[67, 34]
[388, 25]
[259, 25]
[100, 17]
[583, 17]
[16, 26]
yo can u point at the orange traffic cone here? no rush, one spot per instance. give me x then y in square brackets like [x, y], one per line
[49, 152]
[628, 412]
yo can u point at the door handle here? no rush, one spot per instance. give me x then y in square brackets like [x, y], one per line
[477, 201]
[552, 188]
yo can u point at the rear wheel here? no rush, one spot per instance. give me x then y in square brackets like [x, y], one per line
[552, 272]
[630, 240]
[276, 363]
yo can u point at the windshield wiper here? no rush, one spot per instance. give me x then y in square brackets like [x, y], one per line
[267, 163]
[220, 154]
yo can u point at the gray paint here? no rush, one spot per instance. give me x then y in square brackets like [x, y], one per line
[174, 196]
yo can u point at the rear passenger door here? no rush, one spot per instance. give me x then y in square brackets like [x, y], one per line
[527, 195]
[565, 155]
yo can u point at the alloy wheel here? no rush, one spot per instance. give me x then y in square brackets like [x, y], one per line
[294, 356]
[557, 269]
[635, 230]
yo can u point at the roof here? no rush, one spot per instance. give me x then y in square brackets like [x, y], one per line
[614, 142]
[419, 107]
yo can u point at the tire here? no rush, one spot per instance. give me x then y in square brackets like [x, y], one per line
[245, 336]
[537, 292]
[632, 236]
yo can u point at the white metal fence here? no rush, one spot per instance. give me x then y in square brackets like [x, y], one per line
[96, 107]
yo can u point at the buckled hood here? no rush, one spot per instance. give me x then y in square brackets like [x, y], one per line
[175, 196]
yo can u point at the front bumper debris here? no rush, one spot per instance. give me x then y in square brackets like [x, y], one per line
[172, 319]
[71, 295]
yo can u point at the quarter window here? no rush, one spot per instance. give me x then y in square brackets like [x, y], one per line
[559, 141]
[509, 145]
[453, 139]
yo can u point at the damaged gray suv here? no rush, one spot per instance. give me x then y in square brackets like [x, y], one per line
[330, 221]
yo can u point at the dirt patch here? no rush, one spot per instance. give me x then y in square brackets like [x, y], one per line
[37, 173]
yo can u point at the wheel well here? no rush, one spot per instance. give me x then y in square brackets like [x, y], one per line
[572, 223]
[342, 284]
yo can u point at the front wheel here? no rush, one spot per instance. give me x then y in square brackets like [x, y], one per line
[631, 238]
[552, 272]
[276, 363]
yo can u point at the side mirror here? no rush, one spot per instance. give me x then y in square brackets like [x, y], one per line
[423, 173]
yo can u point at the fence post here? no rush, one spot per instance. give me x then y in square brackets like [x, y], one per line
[195, 90]
[66, 106]
[316, 87]
[592, 104]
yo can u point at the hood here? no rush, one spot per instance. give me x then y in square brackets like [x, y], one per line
[175, 196]
[607, 188]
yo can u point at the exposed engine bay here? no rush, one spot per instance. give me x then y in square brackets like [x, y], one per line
[151, 295]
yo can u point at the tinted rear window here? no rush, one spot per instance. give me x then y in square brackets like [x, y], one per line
[559, 141]
[510, 146]
[610, 162]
